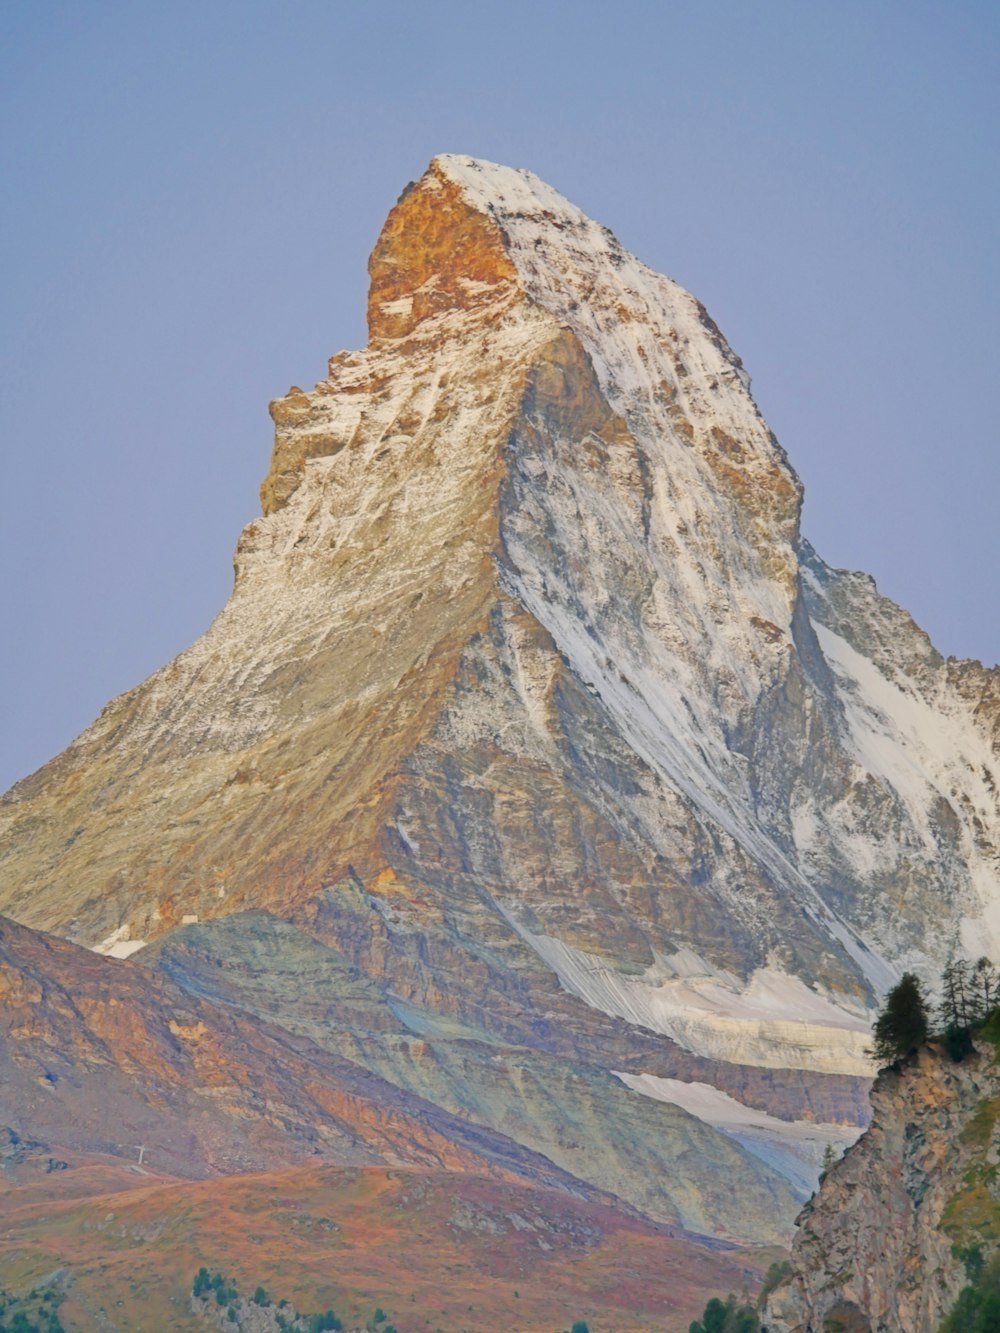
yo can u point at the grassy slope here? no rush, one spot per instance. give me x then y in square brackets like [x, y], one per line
[438, 1250]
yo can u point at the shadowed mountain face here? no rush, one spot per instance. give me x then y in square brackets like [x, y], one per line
[535, 732]
[247, 1045]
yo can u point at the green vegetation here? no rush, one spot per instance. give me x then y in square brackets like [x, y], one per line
[969, 993]
[970, 996]
[774, 1277]
[977, 1309]
[970, 1006]
[735, 1316]
[17, 1316]
[904, 1023]
[319, 1323]
[729, 1316]
[209, 1286]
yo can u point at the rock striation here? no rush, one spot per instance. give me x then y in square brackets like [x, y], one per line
[532, 702]
[881, 1245]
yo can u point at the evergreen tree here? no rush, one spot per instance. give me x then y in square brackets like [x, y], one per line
[969, 994]
[902, 1024]
[729, 1316]
[714, 1318]
[985, 988]
[948, 1008]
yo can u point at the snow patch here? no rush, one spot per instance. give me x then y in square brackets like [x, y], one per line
[796, 1148]
[935, 757]
[118, 944]
[774, 1022]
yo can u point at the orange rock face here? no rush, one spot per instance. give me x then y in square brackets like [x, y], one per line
[435, 253]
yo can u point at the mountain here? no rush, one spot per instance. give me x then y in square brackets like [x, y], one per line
[537, 768]
[911, 1212]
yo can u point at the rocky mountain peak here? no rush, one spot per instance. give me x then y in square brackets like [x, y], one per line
[471, 236]
[437, 252]
[528, 688]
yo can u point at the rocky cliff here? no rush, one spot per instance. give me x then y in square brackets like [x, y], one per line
[532, 704]
[881, 1246]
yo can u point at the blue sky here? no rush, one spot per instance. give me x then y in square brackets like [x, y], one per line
[192, 190]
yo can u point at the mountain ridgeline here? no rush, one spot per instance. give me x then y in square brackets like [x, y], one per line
[539, 803]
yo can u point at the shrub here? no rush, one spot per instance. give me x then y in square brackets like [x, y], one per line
[977, 1309]
[958, 1042]
[726, 1317]
[774, 1277]
[320, 1323]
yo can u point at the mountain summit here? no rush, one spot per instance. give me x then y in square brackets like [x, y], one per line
[531, 700]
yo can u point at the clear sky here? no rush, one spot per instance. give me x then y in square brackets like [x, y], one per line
[191, 190]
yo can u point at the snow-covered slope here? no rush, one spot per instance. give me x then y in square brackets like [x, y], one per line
[528, 651]
[688, 663]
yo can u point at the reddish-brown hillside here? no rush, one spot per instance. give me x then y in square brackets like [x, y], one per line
[436, 1250]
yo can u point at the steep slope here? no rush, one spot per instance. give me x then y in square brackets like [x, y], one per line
[554, 1096]
[529, 689]
[100, 1055]
[881, 1245]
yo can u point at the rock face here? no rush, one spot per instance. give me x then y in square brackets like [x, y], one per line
[876, 1248]
[95, 1054]
[532, 703]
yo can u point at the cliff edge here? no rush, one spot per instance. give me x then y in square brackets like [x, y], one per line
[912, 1208]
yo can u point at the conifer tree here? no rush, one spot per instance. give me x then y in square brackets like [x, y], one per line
[985, 987]
[952, 1006]
[902, 1024]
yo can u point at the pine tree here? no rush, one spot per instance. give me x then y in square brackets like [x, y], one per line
[969, 994]
[902, 1024]
[948, 1007]
[985, 987]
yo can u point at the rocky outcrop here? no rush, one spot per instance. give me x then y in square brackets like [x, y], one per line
[880, 1248]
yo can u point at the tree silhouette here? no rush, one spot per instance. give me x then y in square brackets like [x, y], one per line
[985, 987]
[902, 1025]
